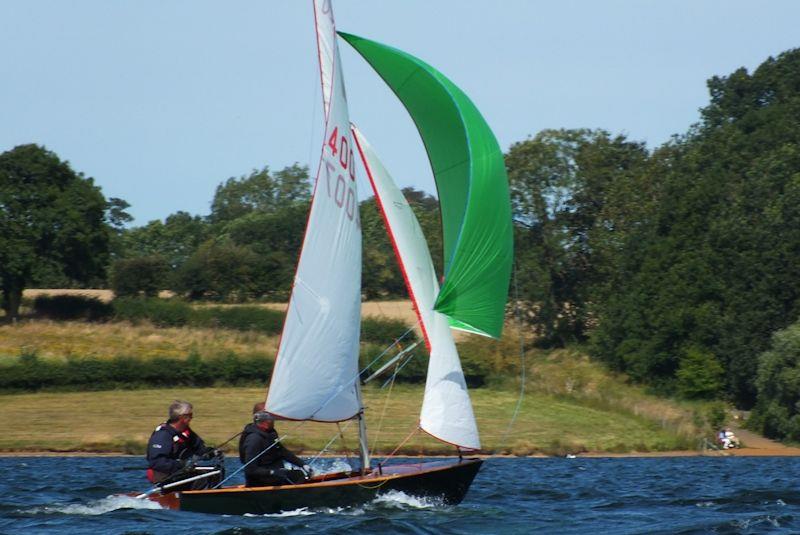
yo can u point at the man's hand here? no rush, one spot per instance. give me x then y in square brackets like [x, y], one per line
[308, 470]
[210, 453]
[188, 464]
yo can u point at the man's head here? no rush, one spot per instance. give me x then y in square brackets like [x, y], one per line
[264, 420]
[180, 414]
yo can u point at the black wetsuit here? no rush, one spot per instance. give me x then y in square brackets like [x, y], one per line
[268, 468]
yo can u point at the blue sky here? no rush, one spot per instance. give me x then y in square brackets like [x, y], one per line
[160, 101]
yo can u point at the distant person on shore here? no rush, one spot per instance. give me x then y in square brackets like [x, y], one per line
[731, 440]
[259, 444]
[173, 445]
[727, 439]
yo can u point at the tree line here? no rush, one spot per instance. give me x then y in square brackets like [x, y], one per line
[675, 265]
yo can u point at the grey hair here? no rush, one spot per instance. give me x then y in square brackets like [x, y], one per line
[179, 408]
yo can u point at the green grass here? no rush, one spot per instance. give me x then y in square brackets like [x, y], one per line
[572, 404]
[121, 421]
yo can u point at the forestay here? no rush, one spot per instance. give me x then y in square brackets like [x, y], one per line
[446, 408]
[316, 369]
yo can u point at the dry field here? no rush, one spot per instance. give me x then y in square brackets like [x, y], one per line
[50, 339]
[121, 421]
[58, 340]
[399, 309]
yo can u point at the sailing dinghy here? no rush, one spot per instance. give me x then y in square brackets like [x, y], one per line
[316, 375]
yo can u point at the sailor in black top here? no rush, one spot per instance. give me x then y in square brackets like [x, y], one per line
[267, 468]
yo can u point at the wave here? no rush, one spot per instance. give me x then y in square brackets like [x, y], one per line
[98, 507]
[303, 511]
[400, 500]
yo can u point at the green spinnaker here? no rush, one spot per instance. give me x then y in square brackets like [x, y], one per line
[471, 180]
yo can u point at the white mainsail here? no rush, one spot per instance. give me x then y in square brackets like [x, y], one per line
[316, 370]
[326, 47]
[446, 408]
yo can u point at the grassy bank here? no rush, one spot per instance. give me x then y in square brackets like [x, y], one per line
[121, 421]
[572, 404]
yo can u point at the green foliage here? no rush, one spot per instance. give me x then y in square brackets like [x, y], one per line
[699, 375]
[777, 412]
[275, 237]
[385, 331]
[221, 271]
[259, 192]
[174, 240]
[32, 373]
[52, 220]
[714, 260]
[381, 276]
[71, 307]
[239, 318]
[716, 415]
[569, 189]
[159, 312]
[143, 275]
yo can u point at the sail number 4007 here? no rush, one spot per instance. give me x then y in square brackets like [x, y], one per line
[343, 192]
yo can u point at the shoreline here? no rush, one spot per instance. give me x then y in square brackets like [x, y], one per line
[780, 451]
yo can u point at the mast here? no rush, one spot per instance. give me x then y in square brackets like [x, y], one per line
[363, 449]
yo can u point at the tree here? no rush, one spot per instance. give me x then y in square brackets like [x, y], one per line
[146, 275]
[777, 411]
[174, 240]
[714, 263]
[276, 237]
[219, 270]
[570, 192]
[381, 275]
[259, 192]
[50, 217]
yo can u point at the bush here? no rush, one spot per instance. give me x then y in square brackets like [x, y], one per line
[413, 366]
[160, 312]
[71, 307]
[380, 330]
[716, 415]
[778, 382]
[146, 275]
[32, 373]
[221, 271]
[699, 375]
[239, 318]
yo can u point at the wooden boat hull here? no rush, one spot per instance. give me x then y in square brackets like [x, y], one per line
[446, 481]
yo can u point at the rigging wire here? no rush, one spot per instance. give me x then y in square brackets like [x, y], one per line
[383, 412]
[411, 434]
[324, 404]
[328, 445]
[521, 360]
[401, 366]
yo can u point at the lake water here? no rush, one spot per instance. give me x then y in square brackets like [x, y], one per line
[656, 495]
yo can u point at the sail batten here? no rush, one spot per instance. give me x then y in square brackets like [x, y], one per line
[315, 376]
[446, 412]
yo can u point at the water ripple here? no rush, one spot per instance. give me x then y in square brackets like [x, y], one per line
[681, 495]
